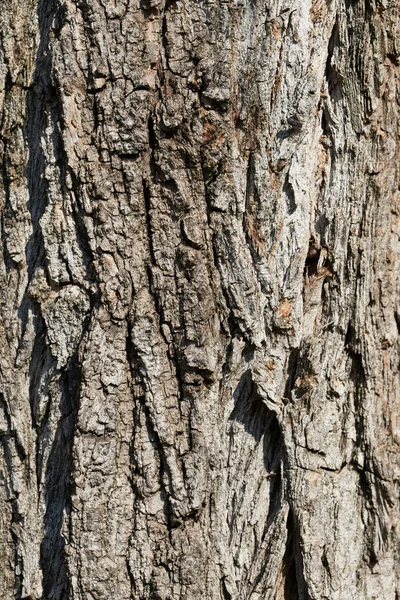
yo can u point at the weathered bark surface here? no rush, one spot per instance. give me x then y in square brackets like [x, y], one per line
[200, 272]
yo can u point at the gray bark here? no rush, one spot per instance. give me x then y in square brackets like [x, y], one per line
[199, 288]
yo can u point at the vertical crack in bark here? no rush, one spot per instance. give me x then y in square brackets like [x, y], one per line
[370, 487]
[138, 376]
[331, 73]
[43, 103]
[292, 373]
[289, 195]
[8, 260]
[293, 586]
[57, 486]
[262, 425]
[358, 378]
[11, 445]
[147, 205]
[251, 224]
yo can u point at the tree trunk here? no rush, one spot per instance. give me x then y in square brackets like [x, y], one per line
[200, 300]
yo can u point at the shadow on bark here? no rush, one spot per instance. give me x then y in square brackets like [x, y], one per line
[262, 424]
[257, 420]
[42, 105]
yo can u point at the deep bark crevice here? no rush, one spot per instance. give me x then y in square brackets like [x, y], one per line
[289, 576]
[59, 488]
[292, 372]
[331, 72]
[295, 586]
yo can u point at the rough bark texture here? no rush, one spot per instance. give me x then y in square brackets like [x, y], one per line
[200, 303]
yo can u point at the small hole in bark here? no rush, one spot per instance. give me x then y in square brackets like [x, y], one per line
[290, 197]
[394, 58]
[275, 495]
[152, 135]
[349, 335]
[397, 319]
[225, 593]
[148, 11]
[324, 124]
[311, 266]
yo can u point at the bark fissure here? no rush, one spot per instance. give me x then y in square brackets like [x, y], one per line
[198, 300]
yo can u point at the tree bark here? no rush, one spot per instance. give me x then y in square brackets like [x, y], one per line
[200, 300]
